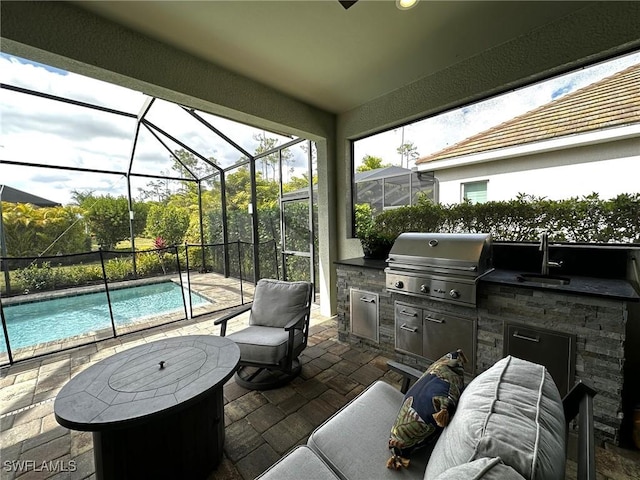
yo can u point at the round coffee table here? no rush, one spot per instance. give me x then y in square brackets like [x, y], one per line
[155, 410]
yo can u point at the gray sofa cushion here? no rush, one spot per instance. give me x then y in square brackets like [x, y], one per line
[299, 463]
[276, 302]
[481, 469]
[354, 442]
[264, 344]
[512, 411]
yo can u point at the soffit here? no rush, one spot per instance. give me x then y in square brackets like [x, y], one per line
[324, 55]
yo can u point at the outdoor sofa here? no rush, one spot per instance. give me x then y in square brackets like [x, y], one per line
[510, 424]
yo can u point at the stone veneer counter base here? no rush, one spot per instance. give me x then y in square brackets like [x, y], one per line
[596, 315]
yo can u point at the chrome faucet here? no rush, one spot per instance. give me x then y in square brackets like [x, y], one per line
[544, 248]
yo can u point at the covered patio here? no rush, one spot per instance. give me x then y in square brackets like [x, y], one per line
[190, 56]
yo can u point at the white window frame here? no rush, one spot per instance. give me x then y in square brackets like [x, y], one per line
[475, 182]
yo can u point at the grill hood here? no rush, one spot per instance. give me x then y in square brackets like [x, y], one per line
[442, 266]
[467, 254]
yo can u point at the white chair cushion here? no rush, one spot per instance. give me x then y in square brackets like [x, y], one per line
[276, 303]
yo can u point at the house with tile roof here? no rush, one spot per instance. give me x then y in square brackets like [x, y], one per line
[584, 142]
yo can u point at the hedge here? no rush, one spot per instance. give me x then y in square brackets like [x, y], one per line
[588, 219]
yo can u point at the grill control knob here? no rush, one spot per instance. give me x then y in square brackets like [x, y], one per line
[454, 294]
[399, 284]
[424, 288]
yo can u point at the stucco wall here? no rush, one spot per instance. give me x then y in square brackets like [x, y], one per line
[609, 169]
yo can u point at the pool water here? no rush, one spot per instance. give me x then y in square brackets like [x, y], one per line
[56, 319]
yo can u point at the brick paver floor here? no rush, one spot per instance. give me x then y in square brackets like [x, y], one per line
[260, 426]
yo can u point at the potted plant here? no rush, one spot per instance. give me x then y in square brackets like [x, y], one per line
[376, 243]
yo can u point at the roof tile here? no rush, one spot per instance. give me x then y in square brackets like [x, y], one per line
[611, 102]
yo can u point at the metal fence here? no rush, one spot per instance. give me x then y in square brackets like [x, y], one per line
[51, 304]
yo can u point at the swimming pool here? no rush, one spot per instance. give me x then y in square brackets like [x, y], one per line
[65, 317]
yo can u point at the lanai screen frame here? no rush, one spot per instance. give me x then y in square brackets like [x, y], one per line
[250, 159]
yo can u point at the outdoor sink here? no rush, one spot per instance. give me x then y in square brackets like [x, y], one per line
[539, 278]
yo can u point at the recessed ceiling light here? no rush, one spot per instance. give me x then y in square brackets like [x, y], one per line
[406, 4]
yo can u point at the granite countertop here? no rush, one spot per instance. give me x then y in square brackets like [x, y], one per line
[363, 263]
[580, 285]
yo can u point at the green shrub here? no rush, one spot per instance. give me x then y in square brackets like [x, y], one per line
[148, 263]
[119, 269]
[584, 220]
[169, 222]
[37, 278]
[81, 274]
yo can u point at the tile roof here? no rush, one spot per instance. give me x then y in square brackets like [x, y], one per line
[611, 102]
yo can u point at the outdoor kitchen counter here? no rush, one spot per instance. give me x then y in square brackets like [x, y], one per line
[590, 286]
[580, 285]
[363, 263]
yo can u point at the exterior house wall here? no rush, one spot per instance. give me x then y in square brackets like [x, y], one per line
[610, 169]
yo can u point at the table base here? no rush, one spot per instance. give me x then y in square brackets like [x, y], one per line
[184, 444]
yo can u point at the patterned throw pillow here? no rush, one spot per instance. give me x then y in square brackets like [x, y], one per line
[427, 407]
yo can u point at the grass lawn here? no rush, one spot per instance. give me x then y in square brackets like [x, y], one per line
[141, 244]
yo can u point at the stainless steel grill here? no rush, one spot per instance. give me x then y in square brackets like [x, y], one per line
[439, 266]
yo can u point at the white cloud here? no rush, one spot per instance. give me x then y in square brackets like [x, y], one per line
[41, 131]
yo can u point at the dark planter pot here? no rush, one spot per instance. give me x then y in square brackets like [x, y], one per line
[377, 251]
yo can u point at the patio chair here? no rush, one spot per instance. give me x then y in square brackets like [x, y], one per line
[276, 335]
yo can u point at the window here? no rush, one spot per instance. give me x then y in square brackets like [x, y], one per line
[475, 192]
[446, 154]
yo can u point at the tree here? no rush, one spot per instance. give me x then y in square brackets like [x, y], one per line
[156, 190]
[408, 152]
[187, 165]
[184, 165]
[168, 222]
[108, 218]
[370, 162]
[270, 162]
[33, 231]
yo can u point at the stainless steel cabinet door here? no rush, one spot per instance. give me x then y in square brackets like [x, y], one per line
[445, 333]
[408, 328]
[364, 314]
[554, 350]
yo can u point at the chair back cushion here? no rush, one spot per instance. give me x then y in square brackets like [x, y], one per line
[276, 303]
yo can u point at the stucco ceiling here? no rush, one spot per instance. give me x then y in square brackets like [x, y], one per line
[322, 54]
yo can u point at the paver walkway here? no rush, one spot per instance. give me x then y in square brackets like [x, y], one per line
[260, 426]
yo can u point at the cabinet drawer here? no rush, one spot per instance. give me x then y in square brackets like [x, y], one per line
[445, 333]
[554, 350]
[364, 314]
[408, 321]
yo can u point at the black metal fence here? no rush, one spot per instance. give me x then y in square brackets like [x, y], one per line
[50, 304]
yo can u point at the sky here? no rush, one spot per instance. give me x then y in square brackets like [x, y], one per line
[36, 130]
[42, 131]
[436, 133]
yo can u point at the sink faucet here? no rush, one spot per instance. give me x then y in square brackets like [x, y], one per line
[544, 248]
